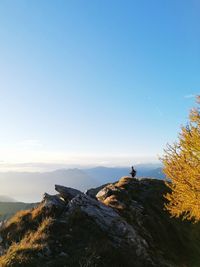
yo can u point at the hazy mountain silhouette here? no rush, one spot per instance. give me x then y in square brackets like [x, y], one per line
[7, 199]
[30, 186]
[108, 174]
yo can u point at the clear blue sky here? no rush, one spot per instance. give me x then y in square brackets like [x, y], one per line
[89, 79]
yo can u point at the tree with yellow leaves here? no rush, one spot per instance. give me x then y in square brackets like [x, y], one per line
[182, 166]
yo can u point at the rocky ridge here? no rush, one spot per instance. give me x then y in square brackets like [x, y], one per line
[120, 224]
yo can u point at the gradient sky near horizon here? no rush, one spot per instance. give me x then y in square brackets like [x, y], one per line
[95, 82]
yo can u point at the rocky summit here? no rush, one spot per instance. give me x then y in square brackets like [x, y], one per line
[123, 224]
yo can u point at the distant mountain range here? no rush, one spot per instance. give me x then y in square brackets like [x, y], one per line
[6, 199]
[106, 174]
[30, 186]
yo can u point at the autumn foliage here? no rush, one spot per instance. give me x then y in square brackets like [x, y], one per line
[182, 166]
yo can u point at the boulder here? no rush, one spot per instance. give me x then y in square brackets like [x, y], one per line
[121, 233]
[50, 201]
[107, 191]
[67, 193]
[93, 191]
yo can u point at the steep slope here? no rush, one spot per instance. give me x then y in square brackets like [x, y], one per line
[124, 224]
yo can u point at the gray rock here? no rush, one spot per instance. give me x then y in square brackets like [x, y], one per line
[67, 193]
[52, 200]
[107, 191]
[120, 232]
[93, 191]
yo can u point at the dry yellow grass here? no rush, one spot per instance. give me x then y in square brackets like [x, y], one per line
[123, 181]
[37, 212]
[113, 202]
[32, 243]
[17, 217]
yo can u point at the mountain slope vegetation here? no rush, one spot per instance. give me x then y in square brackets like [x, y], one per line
[124, 224]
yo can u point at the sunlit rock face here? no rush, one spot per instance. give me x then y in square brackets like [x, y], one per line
[119, 224]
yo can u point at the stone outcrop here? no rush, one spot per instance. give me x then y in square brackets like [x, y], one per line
[67, 193]
[50, 201]
[120, 224]
[120, 232]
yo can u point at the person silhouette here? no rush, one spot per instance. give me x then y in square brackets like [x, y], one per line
[133, 172]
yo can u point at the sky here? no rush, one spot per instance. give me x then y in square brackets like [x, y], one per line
[95, 82]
